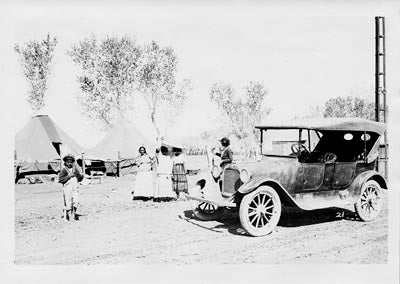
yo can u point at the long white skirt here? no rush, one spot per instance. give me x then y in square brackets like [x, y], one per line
[164, 186]
[144, 184]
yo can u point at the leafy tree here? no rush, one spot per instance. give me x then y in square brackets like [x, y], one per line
[315, 111]
[107, 77]
[36, 57]
[349, 107]
[255, 102]
[176, 102]
[241, 115]
[344, 107]
[155, 80]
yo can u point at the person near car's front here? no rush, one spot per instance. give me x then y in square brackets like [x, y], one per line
[226, 153]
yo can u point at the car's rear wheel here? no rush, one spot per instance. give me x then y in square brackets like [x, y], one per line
[369, 204]
[260, 211]
[208, 212]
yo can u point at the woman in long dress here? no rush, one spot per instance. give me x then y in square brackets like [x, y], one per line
[144, 178]
[180, 183]
[164, 191]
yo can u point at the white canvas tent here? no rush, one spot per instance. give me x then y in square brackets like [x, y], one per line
[122, 142]
[120, 147]
[40, 144]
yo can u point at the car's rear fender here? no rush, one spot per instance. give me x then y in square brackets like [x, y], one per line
[356, 185]
[252, 185]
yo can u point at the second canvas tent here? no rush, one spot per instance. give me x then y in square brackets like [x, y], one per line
[120, 147]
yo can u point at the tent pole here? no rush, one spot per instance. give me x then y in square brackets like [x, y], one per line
[83, 163]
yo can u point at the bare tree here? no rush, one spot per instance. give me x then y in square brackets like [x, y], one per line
[35, 57]
[107, 76]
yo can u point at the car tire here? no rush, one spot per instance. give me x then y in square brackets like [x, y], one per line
[369, 204]
[208, 212]
[260, 211]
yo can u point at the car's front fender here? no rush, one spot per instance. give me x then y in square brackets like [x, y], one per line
[253, 184]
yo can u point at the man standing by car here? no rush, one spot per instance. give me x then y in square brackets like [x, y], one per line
[69, 177]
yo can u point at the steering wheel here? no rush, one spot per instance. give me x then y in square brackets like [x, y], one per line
[296, 148]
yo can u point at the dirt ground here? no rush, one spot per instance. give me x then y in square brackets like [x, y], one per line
[113, 229]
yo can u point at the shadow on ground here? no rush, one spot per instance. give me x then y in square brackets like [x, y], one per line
[290, 217]
[293, 217]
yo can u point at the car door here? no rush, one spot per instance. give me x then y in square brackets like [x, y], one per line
[343, 175]
[313, 172]
[313, 176]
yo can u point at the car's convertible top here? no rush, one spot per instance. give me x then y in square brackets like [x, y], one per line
[327, 124]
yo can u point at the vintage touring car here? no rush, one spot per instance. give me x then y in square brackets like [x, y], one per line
[309, 164]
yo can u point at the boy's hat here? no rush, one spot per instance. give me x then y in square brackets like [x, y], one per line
[69, 157]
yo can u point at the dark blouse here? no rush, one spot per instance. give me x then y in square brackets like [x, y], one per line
[63, 176]
[226, 157]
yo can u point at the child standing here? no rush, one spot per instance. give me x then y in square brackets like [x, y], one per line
[69, 177]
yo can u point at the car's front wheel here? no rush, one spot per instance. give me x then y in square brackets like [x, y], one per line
[369, 204]
[260, 211]
[208, 212]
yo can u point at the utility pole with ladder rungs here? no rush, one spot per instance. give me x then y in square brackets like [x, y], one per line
[381, 111]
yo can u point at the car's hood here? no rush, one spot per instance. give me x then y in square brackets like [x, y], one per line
[267, 167]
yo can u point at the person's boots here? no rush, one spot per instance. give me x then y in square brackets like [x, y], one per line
[72, 217]
[75, 215]
[67, 215]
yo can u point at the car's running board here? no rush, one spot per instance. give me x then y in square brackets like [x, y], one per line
[219, 203]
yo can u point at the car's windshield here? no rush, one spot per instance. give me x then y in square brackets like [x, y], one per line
[285, 142]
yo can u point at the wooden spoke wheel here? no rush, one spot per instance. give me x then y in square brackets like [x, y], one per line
[208, 212]
[369, 204]
[260, 211]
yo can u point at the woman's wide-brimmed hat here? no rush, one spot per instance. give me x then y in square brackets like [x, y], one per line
[69, 157]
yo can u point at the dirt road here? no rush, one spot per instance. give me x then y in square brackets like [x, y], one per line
[113, 229]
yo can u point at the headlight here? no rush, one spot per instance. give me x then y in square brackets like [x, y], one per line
[245, 175]
[216, 171]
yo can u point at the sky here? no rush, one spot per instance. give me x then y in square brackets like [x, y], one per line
[304, 52]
